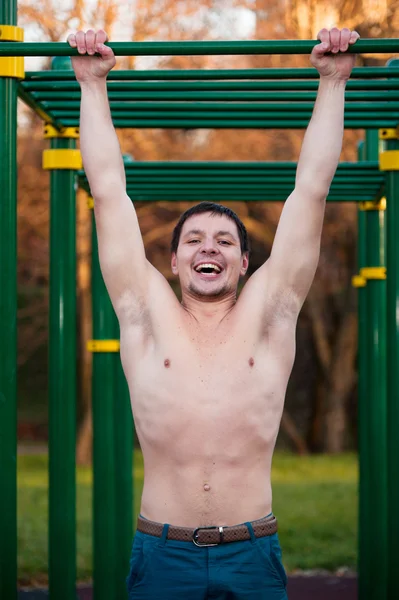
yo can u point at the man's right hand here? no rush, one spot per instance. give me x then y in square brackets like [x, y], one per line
[91, 68]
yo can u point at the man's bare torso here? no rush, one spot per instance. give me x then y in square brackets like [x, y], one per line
[207, 401]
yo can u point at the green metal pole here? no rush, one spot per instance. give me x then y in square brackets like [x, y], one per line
[104, 502]
[8, 322]
[209, 74]
[222, 107]
[364, 540]
[392, 184]
[210, 86]
[124, 435]
[201, 48]
[62, 380]
[227, 96]
[376, 520]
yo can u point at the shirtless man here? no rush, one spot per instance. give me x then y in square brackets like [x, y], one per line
[208, 377]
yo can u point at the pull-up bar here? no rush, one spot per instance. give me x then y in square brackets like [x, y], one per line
[209, 74]
[367, 45]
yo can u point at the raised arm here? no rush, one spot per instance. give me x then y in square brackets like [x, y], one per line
[121, 250]
[295, 253]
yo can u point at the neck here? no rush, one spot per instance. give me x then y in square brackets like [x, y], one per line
[208, 311]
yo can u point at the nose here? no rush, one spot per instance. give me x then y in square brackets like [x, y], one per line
[209, 247]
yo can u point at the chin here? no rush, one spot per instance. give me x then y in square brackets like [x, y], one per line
[209, 293]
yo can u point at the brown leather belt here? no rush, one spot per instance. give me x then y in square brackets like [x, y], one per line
[210, 536]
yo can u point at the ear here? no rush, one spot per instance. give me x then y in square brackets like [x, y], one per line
[244, 264]
[173, 264]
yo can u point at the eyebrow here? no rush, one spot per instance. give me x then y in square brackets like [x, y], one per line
[202, 232]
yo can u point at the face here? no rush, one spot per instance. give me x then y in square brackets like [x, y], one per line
[208, 260]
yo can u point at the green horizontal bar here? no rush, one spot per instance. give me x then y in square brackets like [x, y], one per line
[236, 197]
[233, 124]
[251, 115]
[223, 107]
[221, 96]
[196, 166]
[37, 108]
[134, 178]
[208, 86]
[206, 74]
[236, 187]
[199, 175]
[201, 48]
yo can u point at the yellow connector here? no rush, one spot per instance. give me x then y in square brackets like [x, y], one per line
[66, 132]
[103, 345]
[62, 158]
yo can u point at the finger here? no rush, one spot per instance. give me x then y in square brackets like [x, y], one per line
[90, 41]
[335, 37]
[345, 37]
[81, 42]
[354, 37]
[101, 37]
[324, 36]
[71, 39]
[321, 49]
[104, 51]
[324, 46]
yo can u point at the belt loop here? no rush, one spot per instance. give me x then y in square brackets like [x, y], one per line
[164, 534]
[251, 532]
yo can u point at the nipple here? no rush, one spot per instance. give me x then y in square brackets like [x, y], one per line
[251, 362]
[207, 487]
[166, 362]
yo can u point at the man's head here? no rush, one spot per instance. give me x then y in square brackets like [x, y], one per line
[209, 251]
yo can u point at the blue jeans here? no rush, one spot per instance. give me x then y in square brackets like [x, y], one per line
[162, 569]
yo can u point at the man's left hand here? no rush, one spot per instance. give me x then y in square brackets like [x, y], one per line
[330, 57]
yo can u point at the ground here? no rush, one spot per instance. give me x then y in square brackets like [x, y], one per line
[299, 588]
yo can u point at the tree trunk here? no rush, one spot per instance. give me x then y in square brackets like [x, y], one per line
[342, 379]
[83, 451]
[290, 429]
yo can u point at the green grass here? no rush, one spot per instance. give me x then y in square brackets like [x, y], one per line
[314, 498]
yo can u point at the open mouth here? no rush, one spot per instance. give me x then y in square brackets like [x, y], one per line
[208, 270]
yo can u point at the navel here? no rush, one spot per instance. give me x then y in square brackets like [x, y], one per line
[207, 487]
[166, 362]
[251, 362]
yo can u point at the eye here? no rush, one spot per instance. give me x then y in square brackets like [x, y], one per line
[225, 242]
[193, 241]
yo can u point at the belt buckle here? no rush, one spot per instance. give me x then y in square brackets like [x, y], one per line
[195, 536]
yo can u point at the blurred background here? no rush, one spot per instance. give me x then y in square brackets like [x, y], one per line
[321, 406]
[320, 413]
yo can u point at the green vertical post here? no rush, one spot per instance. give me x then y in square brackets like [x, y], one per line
[104, 558]
[392, 191]
[123, 476]
[62, 377]
[376, 520]
[364, 540]
[8, 322]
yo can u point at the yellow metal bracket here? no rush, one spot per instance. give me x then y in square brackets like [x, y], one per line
[389, 160]
[367, 273]
[11, 33]
[66, 132]
[62, 158]
[358, 281]
[380, 205]
[12, 66]
[388, 134]
[90, 202]
[373, 273]
[103, 345]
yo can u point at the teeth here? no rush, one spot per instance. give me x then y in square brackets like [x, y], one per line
[208, 266]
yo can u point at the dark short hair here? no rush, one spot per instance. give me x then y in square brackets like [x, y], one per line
[214, 209]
